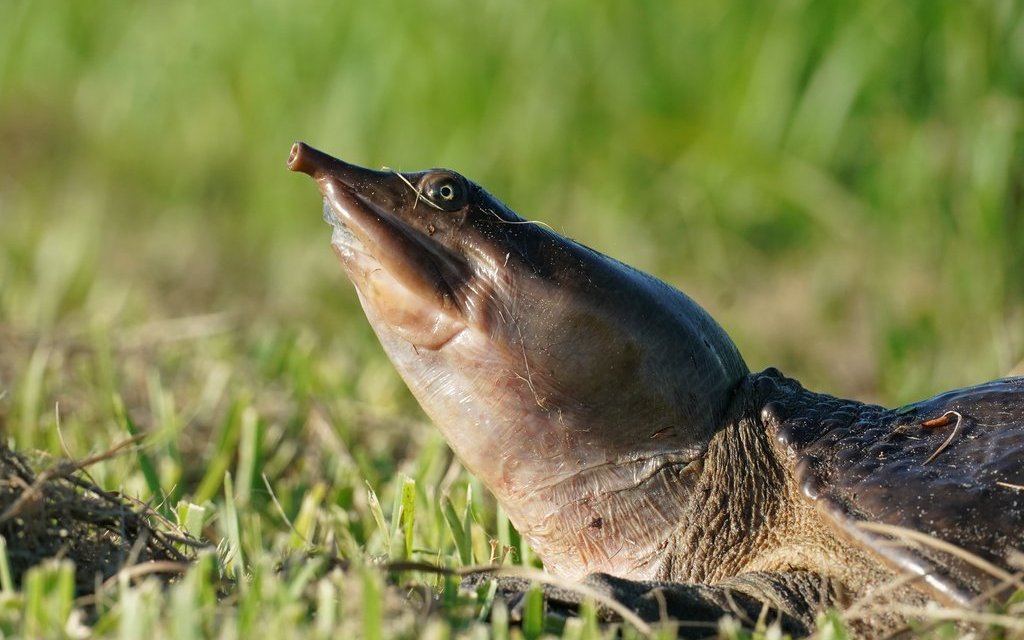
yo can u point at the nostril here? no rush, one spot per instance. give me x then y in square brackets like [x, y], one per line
[298, 158]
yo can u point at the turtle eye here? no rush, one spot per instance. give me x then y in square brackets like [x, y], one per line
[447, 190]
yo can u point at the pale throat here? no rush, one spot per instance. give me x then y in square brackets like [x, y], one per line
[580, 508]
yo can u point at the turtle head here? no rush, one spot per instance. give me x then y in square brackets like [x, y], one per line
[563, 379]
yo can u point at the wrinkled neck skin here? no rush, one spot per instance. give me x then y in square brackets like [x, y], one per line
[582, 392]
[746, 511]
[750, 526]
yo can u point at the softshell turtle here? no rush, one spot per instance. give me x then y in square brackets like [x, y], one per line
[622, 432]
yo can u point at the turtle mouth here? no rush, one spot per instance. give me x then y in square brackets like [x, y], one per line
[377, 234]
[424, 266]
[403, 277]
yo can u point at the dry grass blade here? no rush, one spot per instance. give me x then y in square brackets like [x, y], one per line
[419, 194]
[62, 470]
[1011, 622]
[863, 606]
[185, 328]
[539, 223]
[946, 547]
[133, 574]
[942, 447]
[60, 513]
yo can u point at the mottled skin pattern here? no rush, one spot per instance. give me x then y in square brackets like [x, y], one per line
[866, 463]
[628, 442]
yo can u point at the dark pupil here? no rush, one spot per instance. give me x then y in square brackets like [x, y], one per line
[446, 191]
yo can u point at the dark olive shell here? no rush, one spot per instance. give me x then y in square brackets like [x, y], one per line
[950, 467]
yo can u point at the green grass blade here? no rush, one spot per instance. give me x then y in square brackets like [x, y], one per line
[373, 622]
[49, 598]
[408, 513]
[191, 518]
[462, 537]
[234, 556]
[499, 621]
[249, 455]
[306, 520]
[224, 449]
[378, 517]
[533, 613]
[146, 465]
[326, 608]
[6, 582]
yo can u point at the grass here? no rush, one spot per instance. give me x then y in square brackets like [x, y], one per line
[839, 183]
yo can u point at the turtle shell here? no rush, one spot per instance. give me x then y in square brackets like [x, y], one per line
[934, 488]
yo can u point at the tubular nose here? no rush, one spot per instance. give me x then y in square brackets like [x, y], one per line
[320, 165]
[306, 159]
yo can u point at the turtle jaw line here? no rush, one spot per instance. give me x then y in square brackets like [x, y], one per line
[400, 274]
[466, 287]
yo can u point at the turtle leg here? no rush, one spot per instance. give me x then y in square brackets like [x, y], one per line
[791, 598]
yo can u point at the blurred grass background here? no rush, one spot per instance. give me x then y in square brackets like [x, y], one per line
[840, 183]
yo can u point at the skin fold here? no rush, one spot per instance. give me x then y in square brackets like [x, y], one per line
[621, 430]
